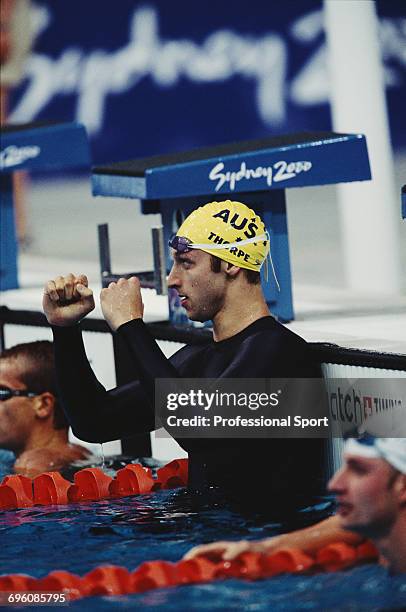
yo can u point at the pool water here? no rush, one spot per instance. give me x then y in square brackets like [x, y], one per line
[164, 525]
[365, 589]
[7, 459]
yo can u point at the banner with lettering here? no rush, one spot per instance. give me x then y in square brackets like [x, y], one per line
[157, 76]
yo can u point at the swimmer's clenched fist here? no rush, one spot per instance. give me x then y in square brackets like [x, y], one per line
[122, 302]
[67, 299]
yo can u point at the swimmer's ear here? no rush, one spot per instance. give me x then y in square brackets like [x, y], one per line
[231, 270]
[44, 405]
[400, 488]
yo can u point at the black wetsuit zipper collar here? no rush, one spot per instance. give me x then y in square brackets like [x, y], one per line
[258, 325]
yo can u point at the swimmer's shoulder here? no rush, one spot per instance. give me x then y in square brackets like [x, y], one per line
[269, 328]
[35, 461]
[271, 349]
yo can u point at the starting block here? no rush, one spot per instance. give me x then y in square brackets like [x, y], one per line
[254, 172]
[34, 147]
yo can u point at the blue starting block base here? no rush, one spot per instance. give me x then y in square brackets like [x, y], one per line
[34, 147]
[254, 172]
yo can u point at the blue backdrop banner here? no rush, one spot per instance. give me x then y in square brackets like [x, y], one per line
[156, 76]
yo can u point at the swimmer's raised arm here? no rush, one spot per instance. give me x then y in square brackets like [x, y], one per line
[95, 414]
[67, 300]
[122, 302]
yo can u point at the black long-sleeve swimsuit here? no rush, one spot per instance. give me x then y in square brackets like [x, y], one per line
[265, 349]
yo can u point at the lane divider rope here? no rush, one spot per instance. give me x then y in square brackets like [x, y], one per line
[116, 580]
[90, 484]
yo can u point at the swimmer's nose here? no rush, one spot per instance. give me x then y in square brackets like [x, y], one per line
[336, 484]
[172, 280]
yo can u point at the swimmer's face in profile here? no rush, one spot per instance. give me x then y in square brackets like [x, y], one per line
[201, 290]
[367, 494]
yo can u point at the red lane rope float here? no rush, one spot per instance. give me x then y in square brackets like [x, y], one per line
[90, 484]
[115, 580]
[172, 475]
[50, 488]
[16, 492]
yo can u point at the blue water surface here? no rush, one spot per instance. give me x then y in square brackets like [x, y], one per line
[7, 459]
[164, 525]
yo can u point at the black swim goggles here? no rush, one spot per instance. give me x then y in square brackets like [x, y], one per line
[6, 393]
[180, 244]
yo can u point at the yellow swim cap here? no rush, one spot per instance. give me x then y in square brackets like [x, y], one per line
[229, 230]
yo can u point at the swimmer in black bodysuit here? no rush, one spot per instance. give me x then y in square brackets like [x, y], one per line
[247, 342]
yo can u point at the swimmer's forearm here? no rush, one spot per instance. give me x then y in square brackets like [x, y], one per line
[80, 391]
[311, 538]
[149, 360]
[308, 540]
[95, 414]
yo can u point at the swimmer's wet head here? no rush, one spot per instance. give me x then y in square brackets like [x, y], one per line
[228, 230]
